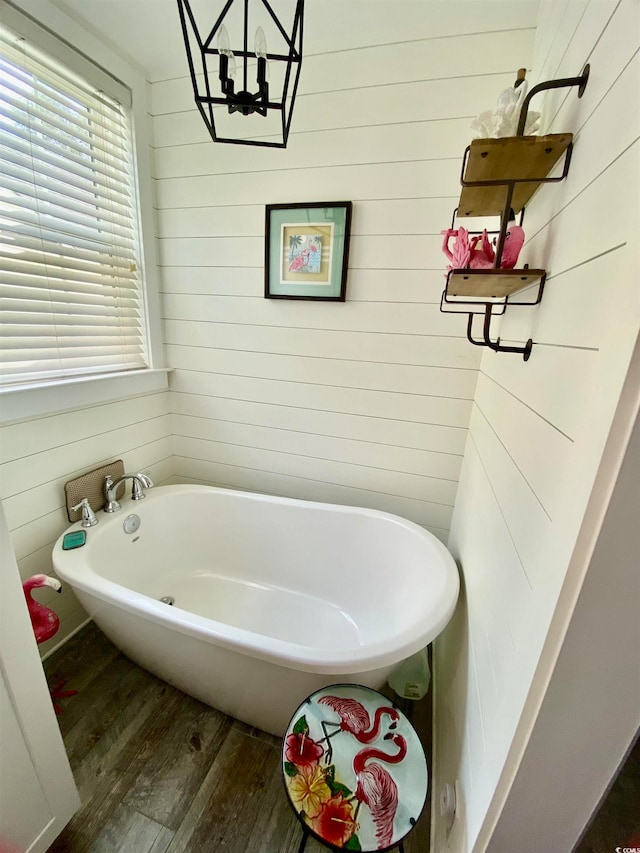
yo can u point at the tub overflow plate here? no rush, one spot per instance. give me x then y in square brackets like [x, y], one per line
[131, 523]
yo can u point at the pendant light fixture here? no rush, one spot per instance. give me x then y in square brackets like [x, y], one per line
[245, 96]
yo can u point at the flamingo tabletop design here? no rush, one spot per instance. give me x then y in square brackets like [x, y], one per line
[355, 800]
[377, 789]
[354, 718]
[45, 623]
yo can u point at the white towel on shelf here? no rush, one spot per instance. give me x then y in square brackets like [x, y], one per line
[503, 120]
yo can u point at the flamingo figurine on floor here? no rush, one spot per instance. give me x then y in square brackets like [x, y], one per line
[45, 623]
[376, 788]
[355, 718]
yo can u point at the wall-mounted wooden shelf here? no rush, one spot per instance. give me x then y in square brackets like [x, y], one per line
[499, 177]
[525, 160]
[491, 284]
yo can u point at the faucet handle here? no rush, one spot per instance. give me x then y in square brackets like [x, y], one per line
[88, 516]
[140, 482]
[110, 502]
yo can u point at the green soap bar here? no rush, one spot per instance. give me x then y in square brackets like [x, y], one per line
[74, 540]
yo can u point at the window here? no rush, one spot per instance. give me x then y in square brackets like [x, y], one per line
[71, 296]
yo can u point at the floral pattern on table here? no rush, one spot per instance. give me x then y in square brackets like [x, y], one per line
[324, 803]
[341, 759]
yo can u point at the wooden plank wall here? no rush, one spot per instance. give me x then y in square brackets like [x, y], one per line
[367, 402]
[39, 454]
[538, 429]
[38, 457]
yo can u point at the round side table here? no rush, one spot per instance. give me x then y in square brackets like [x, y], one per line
[354, 770]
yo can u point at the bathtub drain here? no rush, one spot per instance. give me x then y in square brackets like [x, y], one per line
[168, 599]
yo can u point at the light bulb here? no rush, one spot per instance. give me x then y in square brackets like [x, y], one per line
[224, 49]
[260, 50]
[260, 44]
[223, 41]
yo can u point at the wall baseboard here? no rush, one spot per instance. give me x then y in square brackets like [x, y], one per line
[65, 639]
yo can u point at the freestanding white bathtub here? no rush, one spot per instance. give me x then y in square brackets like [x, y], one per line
[273, 598]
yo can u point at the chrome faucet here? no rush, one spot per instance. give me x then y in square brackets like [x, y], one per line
[140, 481]
[88, 517]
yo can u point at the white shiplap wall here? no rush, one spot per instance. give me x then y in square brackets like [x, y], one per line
[538, 429]
[39, 455]
[365, 402]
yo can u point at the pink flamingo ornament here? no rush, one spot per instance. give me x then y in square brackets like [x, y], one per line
[460, 257]
[355, 718]
[513, 242]
[376, 788]
[45, 623]
[467, 255]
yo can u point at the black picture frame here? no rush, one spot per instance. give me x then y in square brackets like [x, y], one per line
[307, 250]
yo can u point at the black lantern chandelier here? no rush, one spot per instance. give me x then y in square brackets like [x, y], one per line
[231, 84]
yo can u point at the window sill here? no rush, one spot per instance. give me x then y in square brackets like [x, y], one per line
[28, 401]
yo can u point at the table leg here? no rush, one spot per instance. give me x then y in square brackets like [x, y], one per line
[303, 840]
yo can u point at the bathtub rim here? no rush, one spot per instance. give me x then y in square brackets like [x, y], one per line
[315, 659]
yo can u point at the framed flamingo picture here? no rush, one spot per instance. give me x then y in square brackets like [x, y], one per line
[307, 250]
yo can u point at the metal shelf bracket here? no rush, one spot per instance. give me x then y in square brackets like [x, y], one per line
[525, 351]
[507, 215]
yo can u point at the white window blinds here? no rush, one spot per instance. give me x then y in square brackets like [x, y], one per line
[71, 301]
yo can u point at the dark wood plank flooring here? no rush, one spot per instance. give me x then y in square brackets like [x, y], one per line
[617, 821]
[159, 772]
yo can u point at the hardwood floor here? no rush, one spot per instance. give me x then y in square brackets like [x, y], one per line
[159, 772]
[617, 821]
